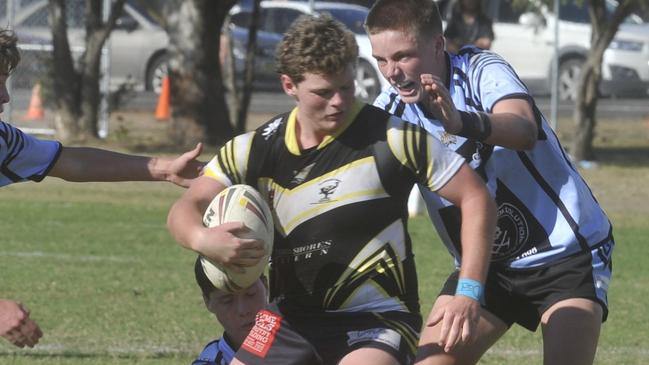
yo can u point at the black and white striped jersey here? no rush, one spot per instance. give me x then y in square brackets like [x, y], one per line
[545, 209]
[23, 157]
[341, 241]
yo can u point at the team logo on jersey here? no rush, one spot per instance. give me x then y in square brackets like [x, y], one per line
[512, 232]
[327, 188]
[446, 138]
[271, 128]
[261, 336]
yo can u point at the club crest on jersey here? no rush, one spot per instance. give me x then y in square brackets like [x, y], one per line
[512, 232]
[446, 138]
[327, 188]
[271, 128]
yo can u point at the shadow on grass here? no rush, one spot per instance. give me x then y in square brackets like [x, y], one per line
[634, 156]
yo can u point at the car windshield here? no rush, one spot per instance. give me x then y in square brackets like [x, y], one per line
[352, 18]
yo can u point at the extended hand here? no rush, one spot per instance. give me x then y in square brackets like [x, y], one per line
[439, 103]
[185, 168]
[16, 326]
[459, 320]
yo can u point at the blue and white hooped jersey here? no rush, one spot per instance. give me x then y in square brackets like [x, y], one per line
[217, 352]
[545, 209]
[23, 157]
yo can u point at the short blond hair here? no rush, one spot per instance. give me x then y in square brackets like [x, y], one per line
[319, 45]
[9, 54]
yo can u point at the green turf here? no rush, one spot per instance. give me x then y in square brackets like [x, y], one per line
[97, 268]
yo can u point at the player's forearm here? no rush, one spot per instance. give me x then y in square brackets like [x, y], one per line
[185, 224]
[81, 164]
[478, 224]
[512, 131]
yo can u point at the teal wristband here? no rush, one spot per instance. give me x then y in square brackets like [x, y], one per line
[469, 288]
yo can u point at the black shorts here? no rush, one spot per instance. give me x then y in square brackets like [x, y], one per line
[522, 295]
[294, 337]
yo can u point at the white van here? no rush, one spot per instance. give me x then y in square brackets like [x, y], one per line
[526, 40]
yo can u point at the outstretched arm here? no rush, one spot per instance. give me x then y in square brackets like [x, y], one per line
[460, 316]
[512, 121]
[81, 164]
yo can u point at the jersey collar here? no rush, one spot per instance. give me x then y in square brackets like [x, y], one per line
[291, 136]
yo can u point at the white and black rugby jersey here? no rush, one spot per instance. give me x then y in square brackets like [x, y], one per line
[340, 209]
[545, 209]
[23, 157]
[217, 352]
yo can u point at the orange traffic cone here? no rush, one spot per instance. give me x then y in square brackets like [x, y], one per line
[35, 111]
[162, 109]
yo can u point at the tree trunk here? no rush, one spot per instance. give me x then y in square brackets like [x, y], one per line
[199, 108]
[65, 78]
[76, 92]
[604, 28]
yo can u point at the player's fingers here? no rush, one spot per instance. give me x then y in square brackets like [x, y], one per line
[435, 318]
[253, 245]
[467, 331]
[234, 228]
[444, 330]
[453, 334]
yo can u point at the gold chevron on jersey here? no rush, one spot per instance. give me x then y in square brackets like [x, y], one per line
[332, 190]
[291, 139]
[382, 256]
[230, 164]
[411, 335]
[407, 141]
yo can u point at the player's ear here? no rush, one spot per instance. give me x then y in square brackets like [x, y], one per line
[440, 44]
[288, 85]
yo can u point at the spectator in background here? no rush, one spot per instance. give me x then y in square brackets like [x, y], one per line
[469, 25]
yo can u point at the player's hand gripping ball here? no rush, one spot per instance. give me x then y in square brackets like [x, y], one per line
[239, 203]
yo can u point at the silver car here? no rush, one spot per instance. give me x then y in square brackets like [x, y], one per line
[138, 45]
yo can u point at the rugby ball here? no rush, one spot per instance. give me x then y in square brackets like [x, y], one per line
[239, 203]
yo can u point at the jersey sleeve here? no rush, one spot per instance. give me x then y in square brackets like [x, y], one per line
[494, 79]
[23, 157]
[431, 162]
[230, 164]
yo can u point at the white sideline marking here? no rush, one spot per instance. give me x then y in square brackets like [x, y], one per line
[67, 257]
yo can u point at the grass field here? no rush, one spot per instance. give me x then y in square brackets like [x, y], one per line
[107, 284]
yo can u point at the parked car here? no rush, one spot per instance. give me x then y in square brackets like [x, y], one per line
[526, 40]
[137, 45]
[275, 18]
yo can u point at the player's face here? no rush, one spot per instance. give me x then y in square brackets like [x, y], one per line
[323, 101]
[236, 311]
[402, 59]
[4, 94]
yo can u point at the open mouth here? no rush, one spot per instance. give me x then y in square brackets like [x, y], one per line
[405, 85]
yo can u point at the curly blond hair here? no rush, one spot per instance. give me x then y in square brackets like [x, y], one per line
[319, 45]
[9, 54]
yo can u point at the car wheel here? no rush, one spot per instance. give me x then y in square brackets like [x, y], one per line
[569, 72]
[368, 85]
[157, 72]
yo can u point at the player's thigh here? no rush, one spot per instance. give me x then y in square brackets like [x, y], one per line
[367, 355]
[490, 329]
[571, 331]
